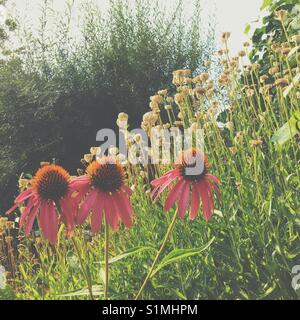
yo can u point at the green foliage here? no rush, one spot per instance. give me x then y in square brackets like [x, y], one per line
[288, 130]
[180, 254]
[271, 30]
[269, 40]
[7, 294]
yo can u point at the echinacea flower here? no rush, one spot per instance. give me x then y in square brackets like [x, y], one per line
[50, 198]
[190, 174]
[103, 191]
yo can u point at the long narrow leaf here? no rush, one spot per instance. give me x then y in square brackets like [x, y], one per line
[179, 254]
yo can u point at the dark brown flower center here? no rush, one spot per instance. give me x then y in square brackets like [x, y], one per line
[106, 174]
[192, 164]
[51, 182]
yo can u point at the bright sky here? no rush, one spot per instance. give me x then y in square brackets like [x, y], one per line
[231, 15]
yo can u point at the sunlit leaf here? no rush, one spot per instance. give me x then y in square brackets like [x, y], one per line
[129, 253]
[265, 4]
[268, 292]
[287, 131]
[97, 291]
[295, 82]
[247, 29]
[179, 254]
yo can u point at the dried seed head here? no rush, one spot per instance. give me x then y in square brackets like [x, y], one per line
[233, 150]
[163, 92]
[95, 150]
[281, 15]
[273, 70]
[296, 38]
[256, 143]
[225, 36]
[88, 157]
[282, 82]
[113, 151]
[242, 53]
[263, 78]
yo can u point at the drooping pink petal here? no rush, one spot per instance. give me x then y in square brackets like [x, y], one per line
[30, 220]
[68, 207]
[111, 213]
[86, 206]
[195, 202]
[216, 188]
[43, 219]
[183, 200]
[213, 178]
[80, 193]
[97, 214]
[173, 195]
[12, 209]
[127, 190]
[26, 211]
[162, 179]
[158, 190]
[159, 181]
[127, 203]
[209, 193]
[52, 224]
[80, 180]
[207, 209]
[79, 187]
[23, 196]
[124, 208]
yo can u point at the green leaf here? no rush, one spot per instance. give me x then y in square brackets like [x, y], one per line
[265, 4]
[97, 291]
[268, 292]
[287, 131]
[294, 83]
[179, 254]
[179, 294]
[293, 52]
[247, 28]
[128, 253]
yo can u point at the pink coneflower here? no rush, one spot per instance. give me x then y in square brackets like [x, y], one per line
[50, 198]
[200, 182]
[191, 173]
[105, 193]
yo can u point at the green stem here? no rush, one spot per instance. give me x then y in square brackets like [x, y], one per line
[106, 260]
[89, 285]
[162, 247]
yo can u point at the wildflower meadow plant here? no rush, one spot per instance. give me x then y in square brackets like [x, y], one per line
[199, 180]
[104, 193]
[50, 198]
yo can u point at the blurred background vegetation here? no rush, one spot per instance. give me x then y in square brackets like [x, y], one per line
[57, 90]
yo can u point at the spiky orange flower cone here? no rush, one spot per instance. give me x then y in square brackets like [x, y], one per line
[50, 199]
[191, 173]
